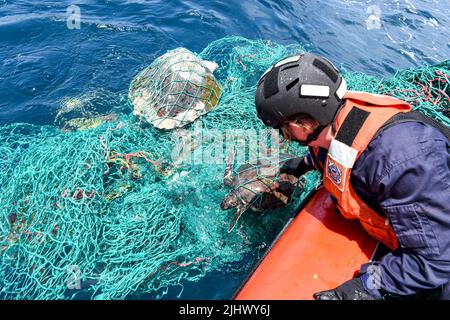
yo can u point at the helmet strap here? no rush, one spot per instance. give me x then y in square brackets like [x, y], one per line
[312, 136]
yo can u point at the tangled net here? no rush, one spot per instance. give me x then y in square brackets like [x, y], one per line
[120, 208]
[427, 89]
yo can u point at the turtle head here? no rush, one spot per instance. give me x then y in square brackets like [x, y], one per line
[230, 201]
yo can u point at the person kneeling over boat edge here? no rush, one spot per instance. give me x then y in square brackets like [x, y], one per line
[384, 164]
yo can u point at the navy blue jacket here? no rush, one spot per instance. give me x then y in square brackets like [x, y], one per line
[404, 174]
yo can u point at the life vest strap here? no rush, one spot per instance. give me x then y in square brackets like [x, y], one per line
[415, 116]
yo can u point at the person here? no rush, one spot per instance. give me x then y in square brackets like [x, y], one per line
[382, 163]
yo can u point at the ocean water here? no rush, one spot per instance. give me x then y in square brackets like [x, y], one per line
[42, 60]
[47, 56]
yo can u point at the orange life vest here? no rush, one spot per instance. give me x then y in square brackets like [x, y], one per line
[362, 115]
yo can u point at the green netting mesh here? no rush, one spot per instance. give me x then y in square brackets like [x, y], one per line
[427, 89]
[121, 208]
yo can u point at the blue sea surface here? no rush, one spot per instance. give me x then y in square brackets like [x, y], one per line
[44, 60]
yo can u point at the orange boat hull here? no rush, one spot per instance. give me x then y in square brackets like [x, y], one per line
[319, 250]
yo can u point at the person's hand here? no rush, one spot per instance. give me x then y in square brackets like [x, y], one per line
[296, 167]
[351, 290]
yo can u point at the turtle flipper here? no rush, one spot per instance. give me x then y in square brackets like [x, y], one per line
[228, 175]
[237, 215]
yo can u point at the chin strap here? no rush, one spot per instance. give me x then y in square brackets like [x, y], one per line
[313, 136]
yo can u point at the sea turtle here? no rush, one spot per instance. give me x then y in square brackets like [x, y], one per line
[175, 89]
[88, 110]
[258, 187]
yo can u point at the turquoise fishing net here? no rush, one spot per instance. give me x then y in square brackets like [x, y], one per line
[118, 208]
[427, 89]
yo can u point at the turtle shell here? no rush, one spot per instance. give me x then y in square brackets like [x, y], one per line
[262, 186]
[174, 90]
